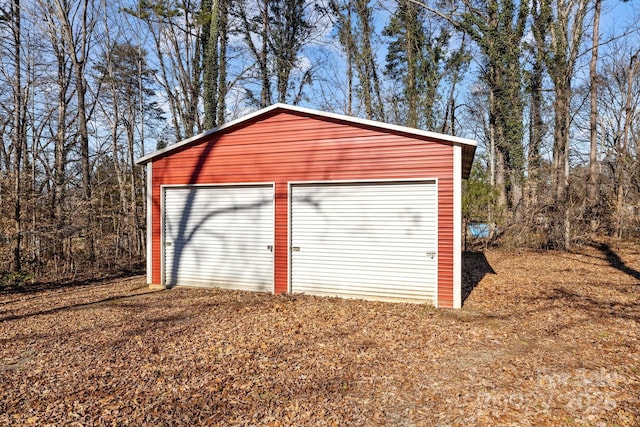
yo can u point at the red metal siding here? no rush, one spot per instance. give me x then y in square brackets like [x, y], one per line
[281, 265]
[286, 147]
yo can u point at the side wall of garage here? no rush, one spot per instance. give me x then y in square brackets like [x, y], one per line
[284, 147]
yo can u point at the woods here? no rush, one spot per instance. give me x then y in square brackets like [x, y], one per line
[549, 88]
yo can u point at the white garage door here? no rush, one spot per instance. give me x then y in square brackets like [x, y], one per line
[372, 241]
[219, 237]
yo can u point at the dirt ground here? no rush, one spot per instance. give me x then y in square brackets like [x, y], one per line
[542, 339]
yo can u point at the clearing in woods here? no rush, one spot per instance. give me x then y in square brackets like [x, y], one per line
[543, 339]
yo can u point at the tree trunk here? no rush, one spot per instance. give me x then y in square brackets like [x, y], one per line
[536, 125]
[412, 63]
[79, 64]
[77, 44]
[210, 33]
[566, 31]
[78, 54]
[168, 89]
[114, 120]
[117, 167]
[222, 61]
[500, 183]
[366, 64]
[85, 164]
[60, 160]
[194, 81]
[134, 230]
[18, 137]
[592, 180]
[621, 158]
[561, 156]
[265, 98]
[349, 54]
[515, 194]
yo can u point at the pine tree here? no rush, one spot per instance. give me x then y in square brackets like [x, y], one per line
[415, 59]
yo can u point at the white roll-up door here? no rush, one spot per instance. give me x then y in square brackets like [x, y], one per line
[365, 240]
[219, 236]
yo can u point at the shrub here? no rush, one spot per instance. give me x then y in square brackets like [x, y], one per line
[14, 279]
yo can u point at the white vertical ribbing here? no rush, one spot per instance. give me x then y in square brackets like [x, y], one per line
[372, 240]
[219, 236]
[149, 203]
[457, 226]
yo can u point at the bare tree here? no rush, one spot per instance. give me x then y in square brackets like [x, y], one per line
[342, 13]
[566, 33]
[16, 118]
[175, 29]
[415, 59]
[619, 111]
[60, 126]
[275, 33]
[593, 116]
[630, 115]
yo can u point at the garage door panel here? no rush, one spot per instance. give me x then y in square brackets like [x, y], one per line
[343, 243]
[219, 237]
[383, 273]
[192, 263]
[214, 244]
[357, 283]
[392, 236]
[372, 240]
[233, 284]
[353, 228]
[347, 264]
[354, 254]
[372, 292]
[398, 289]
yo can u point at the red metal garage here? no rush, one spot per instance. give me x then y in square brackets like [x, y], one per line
[289, 199]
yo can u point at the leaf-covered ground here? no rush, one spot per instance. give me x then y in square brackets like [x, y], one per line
[543, 339]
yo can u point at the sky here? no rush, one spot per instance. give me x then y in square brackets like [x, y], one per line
[329, 87]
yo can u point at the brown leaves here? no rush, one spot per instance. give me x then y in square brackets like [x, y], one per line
[549, 339]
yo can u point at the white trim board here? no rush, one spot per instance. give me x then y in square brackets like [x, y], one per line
[457, 227]
[149, 207]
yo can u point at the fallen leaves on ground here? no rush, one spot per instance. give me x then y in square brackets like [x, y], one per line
[543, 339]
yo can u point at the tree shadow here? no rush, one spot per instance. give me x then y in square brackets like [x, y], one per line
[136, 269]
[474, 267]
[75, 306]
[597, 308]
[614, 260]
